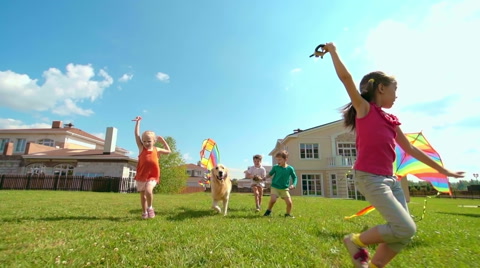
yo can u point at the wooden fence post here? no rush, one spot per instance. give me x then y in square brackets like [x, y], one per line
[81, 183]
[1, 181]
[55, 184]
[29, 179]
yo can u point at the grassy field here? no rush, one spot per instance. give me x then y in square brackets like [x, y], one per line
[46, 229]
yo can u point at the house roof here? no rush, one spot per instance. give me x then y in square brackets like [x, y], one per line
[78, 154]
[295, 133]
[63, 130]
[53, 131]
[194, 167]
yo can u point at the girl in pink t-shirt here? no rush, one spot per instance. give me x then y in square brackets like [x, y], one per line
[376, 134]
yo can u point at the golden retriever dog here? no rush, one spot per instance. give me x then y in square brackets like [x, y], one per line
[221, 185]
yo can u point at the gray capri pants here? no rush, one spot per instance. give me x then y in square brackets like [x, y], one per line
[386, 195]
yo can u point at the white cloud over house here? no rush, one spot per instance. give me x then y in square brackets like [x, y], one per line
[8, 123]
[60, 92]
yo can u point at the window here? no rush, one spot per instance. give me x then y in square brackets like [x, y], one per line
[132, 172]
[63, 170]
[312, 184]
[20, 146]
[35, 169]
[333, 184]
[346, 149]
[47, 142]
[348, 152]
[309, 151]
[3, 143]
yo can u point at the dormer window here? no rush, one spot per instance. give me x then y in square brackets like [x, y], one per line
[47, 142]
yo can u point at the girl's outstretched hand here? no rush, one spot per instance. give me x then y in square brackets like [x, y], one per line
[328, 47]
[458, 174]
[138, 118]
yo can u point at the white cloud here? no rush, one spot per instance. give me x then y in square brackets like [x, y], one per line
[70, 107]
[125, 78]
[8, 123]
[435, 61]
[101, 135]
[163, 77]
[296, 70]
[187, 157]
[60, 91]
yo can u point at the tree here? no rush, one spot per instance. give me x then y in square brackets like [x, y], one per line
[173, 173]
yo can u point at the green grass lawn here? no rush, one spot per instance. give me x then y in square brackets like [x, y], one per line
[46, 228]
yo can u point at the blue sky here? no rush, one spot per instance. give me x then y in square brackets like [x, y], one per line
[238, 72]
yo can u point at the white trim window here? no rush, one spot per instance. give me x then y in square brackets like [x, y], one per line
[20, 145]
[346, 149]
[3, 143]
[47, 142]
[312, 184]
[63, 170]
[309, 151]
[333, 185]
[35, 169]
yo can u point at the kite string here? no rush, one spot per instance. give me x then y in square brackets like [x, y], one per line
[424, 207]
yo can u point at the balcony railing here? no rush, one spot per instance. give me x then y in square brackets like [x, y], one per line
[341, 161]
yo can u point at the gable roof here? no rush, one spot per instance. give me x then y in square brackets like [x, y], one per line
[299, 131]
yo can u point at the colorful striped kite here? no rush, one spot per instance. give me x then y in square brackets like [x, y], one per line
[405, 164]
[209, 155]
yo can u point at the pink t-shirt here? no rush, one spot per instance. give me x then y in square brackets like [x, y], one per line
[375, 141]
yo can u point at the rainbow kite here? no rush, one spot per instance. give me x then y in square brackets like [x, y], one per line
[405, 164]
[209, 155]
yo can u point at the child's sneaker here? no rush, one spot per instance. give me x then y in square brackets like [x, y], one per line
[144, 216]
[267, 213]
[358, 254]
[257, 209]
[151, 213]
[289, 216]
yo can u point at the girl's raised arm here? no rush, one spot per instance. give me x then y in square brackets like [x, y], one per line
[359, 103]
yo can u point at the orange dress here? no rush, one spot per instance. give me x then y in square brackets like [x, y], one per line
[148, 167]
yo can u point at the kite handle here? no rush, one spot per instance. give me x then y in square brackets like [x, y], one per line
[317, 49]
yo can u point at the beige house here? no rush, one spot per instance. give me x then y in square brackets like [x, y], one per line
[322, 157]
[63, 150]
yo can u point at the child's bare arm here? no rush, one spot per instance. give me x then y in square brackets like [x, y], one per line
[136, 132]
[359, 103]
[166, 149]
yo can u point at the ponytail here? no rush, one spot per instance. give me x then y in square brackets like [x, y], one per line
[368, 86]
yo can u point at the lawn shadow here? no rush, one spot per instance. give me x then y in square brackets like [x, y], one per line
[461, 214]
[187, 213]
[64, 218]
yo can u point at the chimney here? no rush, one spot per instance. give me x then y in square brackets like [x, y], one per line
[57, 124]
[110, 140]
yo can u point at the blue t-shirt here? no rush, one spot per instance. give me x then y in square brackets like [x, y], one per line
[281, 176]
